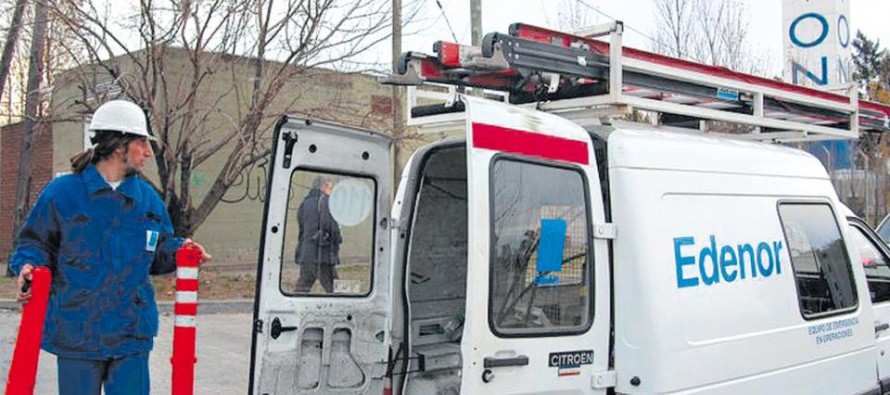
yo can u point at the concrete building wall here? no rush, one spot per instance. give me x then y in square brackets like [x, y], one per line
[232, 232]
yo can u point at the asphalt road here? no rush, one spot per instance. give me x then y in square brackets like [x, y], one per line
[223, 346]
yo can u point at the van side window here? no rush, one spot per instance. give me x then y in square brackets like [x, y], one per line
[540, 263]
[329, 235]
[820, 261]
[877, 268]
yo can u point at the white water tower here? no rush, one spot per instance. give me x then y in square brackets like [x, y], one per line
[817, 43]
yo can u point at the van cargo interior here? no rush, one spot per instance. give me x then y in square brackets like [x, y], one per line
[437, 280]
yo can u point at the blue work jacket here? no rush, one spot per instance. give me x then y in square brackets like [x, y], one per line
[101, 245]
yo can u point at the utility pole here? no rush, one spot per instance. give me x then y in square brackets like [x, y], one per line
[476, 32]
[398, 116]
[476, 21]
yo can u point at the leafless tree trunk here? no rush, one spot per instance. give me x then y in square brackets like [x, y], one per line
[709, 21]
[734, 38]
[12, 38]
[35, 75]
[674, 28]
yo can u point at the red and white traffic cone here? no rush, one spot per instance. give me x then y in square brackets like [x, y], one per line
[23, 370]
[185, 310]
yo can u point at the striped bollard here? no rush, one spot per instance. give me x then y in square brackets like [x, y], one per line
[23, 369]
[185, 310]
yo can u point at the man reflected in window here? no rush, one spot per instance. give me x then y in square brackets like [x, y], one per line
[318, 245]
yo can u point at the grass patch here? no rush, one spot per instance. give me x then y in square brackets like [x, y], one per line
[213, 285]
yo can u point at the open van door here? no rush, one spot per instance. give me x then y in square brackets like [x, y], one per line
[538, 311]
[323, 284]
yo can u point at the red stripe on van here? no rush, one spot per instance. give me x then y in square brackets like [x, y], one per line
[520, 142]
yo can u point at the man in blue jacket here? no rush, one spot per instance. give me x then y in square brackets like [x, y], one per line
[101, 230]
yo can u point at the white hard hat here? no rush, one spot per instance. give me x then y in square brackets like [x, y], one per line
[120, 116]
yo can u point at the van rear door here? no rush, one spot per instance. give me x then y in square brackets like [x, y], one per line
[323, 294]
[538, 312]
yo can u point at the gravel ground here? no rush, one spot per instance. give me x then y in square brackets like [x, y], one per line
[223, 346]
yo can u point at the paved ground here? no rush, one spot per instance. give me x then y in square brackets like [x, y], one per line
[223, 355]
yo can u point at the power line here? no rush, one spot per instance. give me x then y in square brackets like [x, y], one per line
[447, 22]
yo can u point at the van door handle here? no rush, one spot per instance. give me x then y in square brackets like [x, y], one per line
[491, 362]
[277, 328]
[881, 326]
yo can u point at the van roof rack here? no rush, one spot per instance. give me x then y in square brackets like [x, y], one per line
[587, 80]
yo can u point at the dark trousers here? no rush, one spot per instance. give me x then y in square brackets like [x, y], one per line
[119, 376]
[309, 272]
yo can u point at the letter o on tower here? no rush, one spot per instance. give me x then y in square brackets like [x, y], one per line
[792, 31]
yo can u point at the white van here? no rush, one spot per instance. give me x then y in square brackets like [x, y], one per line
[536, 257]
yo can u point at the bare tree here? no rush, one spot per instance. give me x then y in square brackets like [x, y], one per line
[709, 19]
[12, 39]
[572, 16]
[57, 47]
[164, 55]
[707, 31]
[734, 38]
[674, 27]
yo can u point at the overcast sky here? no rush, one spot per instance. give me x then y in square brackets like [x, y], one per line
[765, 21]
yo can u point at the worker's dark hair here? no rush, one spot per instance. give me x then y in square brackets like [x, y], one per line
[105, 142]
[320, 181]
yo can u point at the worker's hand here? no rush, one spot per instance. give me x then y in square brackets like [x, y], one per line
[24, 276]
[189, 243]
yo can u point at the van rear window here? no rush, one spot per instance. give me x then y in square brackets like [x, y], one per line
[329, 235]
[821, 265]
[540, 268]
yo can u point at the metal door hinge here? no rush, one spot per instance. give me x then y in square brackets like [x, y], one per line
[290, 139]
[603, 380]
[258, 326]
[605, 231]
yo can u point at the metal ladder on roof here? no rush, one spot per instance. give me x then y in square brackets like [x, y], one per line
[586, 80]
